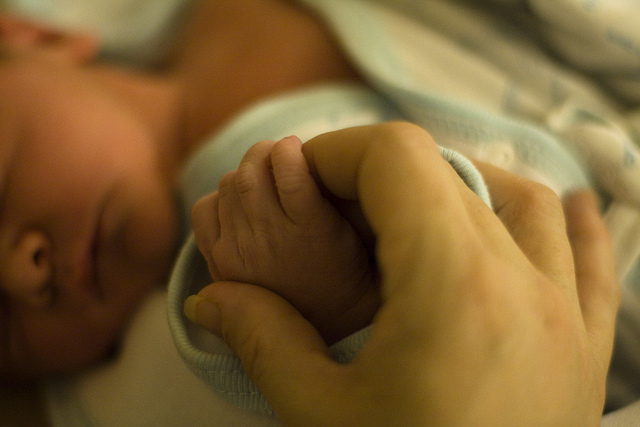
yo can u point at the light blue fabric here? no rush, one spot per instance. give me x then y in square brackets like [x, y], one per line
[304, 114]
[472, 112]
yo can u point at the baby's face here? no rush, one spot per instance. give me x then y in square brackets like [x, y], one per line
[87, 220]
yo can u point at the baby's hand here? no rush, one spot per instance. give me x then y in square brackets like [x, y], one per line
[268, 224]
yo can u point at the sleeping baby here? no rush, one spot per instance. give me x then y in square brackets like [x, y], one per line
[91, 159]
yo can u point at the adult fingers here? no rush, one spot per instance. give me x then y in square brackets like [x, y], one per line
[413, 200]
[280, 351]
[532, 213]
[419, 210]
[597, 286]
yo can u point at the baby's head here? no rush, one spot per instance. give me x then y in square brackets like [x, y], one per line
[87, 215]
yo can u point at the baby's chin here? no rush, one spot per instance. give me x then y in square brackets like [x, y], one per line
[74, 353]
[41, 369]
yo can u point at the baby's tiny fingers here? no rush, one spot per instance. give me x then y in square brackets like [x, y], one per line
[206, 223]
[298, 191]
[256, 188]
[206, 226]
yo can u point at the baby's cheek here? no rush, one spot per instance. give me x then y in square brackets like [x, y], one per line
[54, 344]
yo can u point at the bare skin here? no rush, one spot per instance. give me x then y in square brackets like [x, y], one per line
[487, 319]
[235, 53]
[175, 107]
[269, 224]
[158, 117]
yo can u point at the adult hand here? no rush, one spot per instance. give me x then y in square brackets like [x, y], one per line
[269, 224]
[488, 319]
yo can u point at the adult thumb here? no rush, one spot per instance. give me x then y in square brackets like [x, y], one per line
[281, 351]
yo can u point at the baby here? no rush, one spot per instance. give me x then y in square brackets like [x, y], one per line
[269, 224]
[90, 158]
[88, 223]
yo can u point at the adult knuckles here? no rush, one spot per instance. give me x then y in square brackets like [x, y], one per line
[401, 129]
[540, 199]
[404, 135]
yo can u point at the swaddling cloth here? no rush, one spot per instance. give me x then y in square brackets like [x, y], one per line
[482, 86]
[305, 114]
[475, 75]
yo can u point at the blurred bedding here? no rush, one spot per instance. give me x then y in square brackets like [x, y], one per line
[138, 32]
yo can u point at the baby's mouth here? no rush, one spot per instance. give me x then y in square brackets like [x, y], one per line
[88, 277]
[93, 284]
[94, 255]
[86, 281]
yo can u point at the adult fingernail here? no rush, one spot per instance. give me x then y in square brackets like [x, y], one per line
[204, 312]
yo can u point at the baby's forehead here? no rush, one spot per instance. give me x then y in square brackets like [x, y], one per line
[10, 125]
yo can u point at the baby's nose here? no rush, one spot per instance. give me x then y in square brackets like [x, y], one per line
[27, 270]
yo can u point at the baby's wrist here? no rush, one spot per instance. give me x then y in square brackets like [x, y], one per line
[334, 326]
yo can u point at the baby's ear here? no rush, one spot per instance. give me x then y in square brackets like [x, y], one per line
[21, 35]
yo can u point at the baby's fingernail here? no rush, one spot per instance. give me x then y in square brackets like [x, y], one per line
[204, 312]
